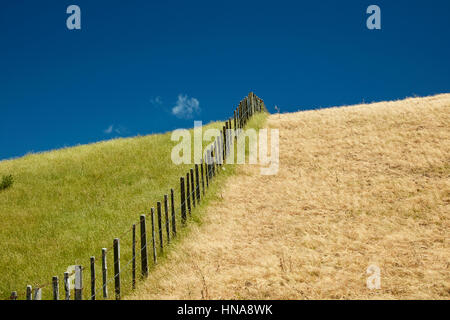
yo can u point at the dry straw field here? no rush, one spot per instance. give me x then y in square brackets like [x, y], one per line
[359, 185]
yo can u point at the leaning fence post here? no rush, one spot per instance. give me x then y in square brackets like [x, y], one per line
[116, 244]
[133, 252]
[197, 184]
[78, 283]
[192, 187]
[55, 286]
[92, 278]
[160, 231]
[13, 295]
[188, 193]
[66, 286]
[166, 215]
[104, 274]
[37, 294]
[153, 235]
[29, 292]
[144, 254]
[172, 207]
[183, 201]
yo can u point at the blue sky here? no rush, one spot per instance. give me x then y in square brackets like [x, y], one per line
[134, 61]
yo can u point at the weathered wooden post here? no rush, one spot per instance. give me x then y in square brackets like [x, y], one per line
[172, 207]
[197, 184]
[227, 140]
[216, 153]
[116, 245]
[234, 118]
[207, 170]
[66, 286]
[203, 179]
[213, 160]
[166, 215]
[230, 136]
[29, 292]
[55, 287]
[144, 254]
[133, 262]
[153, 236]
[37, 294]
[188, 193]
[210, 164]
[192, 187]
[160, 230]
[92, 278]
[78, 288]
[104, 274]
[78, 292]
[183, 201]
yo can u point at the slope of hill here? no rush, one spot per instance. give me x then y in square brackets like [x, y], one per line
[66, 205]
[358, 186]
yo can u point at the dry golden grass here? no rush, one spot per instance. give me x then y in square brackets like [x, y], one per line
[359, 185]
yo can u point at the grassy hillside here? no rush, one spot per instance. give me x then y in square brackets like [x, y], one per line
[65, 205]
[357, 186]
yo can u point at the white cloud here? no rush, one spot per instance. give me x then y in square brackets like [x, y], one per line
[156, 101]
[116, 129]
[109, 130]
[186, 107]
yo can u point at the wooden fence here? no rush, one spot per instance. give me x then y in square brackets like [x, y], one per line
[193, 187]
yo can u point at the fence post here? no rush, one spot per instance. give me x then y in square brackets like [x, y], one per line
[238, 115]
[78, 283]
[192, 187]
[55, 285]
[172, 207]
[153, 235]
[230, 140]
[166, 215]
[66, 286]
[160, 231]
[220, 147]
[133, 263]
[29, 292]
[13, 295]
[92, 278]
[207, 170]
[116, 244]
[216, 153]
[104, 274]
[183, 201]
[37, 294]
[213, 160]
[144, 255]
[225, 141]
[209, 157]
[203, 179]
[234, 120]
[188, 193]
[197, 184]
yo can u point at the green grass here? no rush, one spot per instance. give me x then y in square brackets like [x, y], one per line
[67, 204]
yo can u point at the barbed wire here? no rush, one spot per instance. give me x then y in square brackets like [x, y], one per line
[215, 154]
